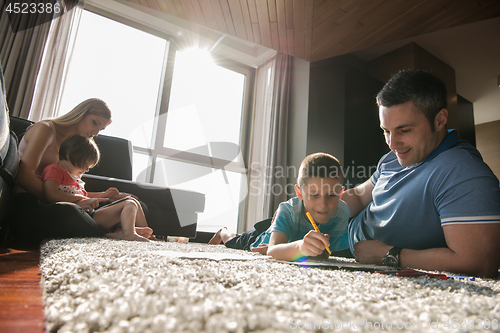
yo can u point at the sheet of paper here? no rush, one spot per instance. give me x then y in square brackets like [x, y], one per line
[310, 263]
[210, 255]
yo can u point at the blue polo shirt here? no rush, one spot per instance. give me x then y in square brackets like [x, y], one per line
[412, 204]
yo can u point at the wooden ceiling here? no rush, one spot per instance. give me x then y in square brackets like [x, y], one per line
[318, 29]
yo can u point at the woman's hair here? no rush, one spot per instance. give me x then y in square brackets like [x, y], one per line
[320, 165]
[94, 106]
[79, 150]
[426, 91]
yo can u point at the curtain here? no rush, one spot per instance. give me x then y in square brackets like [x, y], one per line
[55, 62]
[20, 56]
[267, 167]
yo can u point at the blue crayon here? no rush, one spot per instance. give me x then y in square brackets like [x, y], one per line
[460, 277]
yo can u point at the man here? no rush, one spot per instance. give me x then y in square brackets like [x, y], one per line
[433, 203]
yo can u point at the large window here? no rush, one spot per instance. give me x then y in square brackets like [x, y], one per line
[183, 110]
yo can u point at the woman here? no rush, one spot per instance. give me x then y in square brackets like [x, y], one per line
[33, 219]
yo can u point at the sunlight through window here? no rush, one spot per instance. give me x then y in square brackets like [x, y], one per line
[202, 115]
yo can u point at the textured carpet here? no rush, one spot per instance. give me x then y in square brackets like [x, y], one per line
[119, 286]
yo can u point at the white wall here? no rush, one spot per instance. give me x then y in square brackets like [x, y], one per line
[297, 122]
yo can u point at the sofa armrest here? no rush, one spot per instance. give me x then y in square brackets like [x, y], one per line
[170, 212]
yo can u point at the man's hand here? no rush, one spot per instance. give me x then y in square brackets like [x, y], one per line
[313, 244]
[370, 252]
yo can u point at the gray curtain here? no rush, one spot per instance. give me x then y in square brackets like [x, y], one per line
[20, 56]
[55, 62]
[279, 134]
[267, 167]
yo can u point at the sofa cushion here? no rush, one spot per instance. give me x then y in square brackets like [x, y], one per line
[8, 142]
[116, 157]
[116, 153]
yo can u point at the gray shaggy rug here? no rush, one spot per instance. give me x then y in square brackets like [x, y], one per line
[102, 285]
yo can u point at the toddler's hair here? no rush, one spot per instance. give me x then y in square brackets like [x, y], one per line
[79, 150]
[320, 165]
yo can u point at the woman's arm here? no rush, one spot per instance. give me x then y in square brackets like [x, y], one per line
[37, 139]
[52, 193]
[313, 244]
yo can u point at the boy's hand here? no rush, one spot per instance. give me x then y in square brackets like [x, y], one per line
[313, 244]
[262, 249]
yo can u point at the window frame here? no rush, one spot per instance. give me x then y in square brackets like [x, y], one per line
[247, 113]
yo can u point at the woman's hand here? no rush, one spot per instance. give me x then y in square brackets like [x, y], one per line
[90, 203]
[313, 244]
[112, 194]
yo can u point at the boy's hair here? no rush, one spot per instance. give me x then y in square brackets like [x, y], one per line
[319, 165]
[79, 150]
[426, 91]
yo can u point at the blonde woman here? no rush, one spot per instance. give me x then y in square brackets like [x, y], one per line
[33, 219]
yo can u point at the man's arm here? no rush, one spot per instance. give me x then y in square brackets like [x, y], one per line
[359, 197]
[473, 249]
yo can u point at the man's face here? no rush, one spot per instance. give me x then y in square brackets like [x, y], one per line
[408, 132]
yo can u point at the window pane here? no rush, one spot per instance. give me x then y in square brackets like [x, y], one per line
[122, 66]
[224, 190]
[205, 106]
[140, 167]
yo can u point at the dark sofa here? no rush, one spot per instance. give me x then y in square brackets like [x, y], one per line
[169, 212]
[8, 160]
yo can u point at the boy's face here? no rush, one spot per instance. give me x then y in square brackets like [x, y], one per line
[321, 197]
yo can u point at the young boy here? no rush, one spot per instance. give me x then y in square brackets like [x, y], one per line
[291, 234]
[61, 182]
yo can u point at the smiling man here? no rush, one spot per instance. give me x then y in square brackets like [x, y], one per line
[432, 203]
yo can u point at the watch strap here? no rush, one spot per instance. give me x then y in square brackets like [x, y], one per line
[391, 258]
[395, 251]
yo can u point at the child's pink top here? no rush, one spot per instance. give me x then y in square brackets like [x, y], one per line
[67, 182]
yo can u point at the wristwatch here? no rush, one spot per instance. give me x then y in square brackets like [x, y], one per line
[391, 258]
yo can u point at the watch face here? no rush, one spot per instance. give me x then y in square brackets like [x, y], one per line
[391, 261]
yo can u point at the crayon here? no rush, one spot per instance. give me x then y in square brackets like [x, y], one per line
[316, 228]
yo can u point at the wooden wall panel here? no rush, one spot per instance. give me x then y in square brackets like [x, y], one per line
[412, 56]
[488, 144]
[319, 29]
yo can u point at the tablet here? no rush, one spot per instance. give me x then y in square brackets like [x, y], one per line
[116, 201]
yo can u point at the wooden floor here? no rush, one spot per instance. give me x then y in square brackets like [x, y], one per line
[21, 305]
